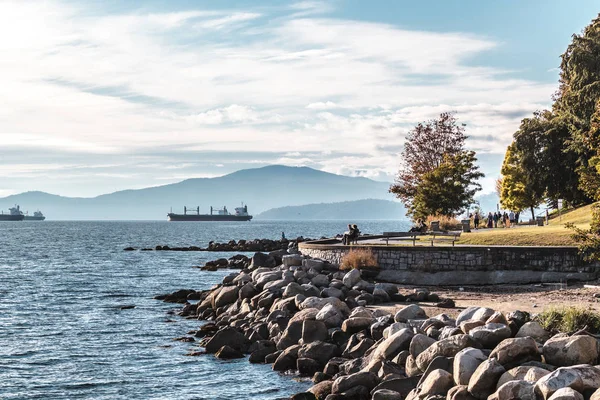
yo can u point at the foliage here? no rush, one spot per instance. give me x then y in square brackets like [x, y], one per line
[449, 188]
[517, 192]
[358, 258]
[589, 239]
[569, 320]
[446, 223]
[437, 175]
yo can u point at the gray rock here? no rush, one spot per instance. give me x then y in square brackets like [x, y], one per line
[564, 351]
[227, 336]
[319, 303]
[228, 353]
[578, 377]
[459, 393]
[319, 351]
[412, 311]
[474, 313]
[437, 382]
[490, 335]
[533, 329]
[292, 260]
[345, 383]
[485, 378]
[313, 331]
[466, 362]
[332, 292]
[391, 346]
[419, 344]
[322, 389]
[513, 374]
[445, 348]
[331, 316]
[566, 394]
[293, 289]
[320, 281]
[287, 359]
[353, 325]
[227, 295]
[386, 394]
[514, 390]
[262, 260]
[351, 278]
[516, 351]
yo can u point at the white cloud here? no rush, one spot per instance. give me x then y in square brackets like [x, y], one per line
[237, 80]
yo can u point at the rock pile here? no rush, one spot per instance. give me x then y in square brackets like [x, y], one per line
[264, 245]
[307, 316]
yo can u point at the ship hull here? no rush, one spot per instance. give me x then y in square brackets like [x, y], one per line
[31, 218]
[8, 217]
[201, 218]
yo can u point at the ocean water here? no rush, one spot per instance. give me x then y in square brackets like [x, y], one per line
[63, 334]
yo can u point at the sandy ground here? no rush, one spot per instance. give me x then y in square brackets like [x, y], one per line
[506, 298]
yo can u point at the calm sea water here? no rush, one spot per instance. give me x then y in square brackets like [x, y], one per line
[63, 334]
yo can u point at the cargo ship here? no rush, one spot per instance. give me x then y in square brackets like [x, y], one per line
[14, 214]
[216, 214]
[37, 216]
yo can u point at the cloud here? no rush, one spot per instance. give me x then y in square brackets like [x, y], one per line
[99, 86]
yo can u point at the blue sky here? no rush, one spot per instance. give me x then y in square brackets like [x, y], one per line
[98, 96]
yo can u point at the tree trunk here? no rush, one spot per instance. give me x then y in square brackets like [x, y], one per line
[532, 214]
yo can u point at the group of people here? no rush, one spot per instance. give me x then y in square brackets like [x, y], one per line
[351, 235]
[420, 226]
[493, 219]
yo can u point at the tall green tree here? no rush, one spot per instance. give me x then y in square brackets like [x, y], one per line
[426, 183]
[517, 191]
[578, 100]
[449, 188]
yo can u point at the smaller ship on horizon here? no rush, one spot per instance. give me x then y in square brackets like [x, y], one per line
[37, 216]
[14, 214]
[241, 214]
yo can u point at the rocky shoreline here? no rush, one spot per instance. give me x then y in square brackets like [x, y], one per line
[263, 245]
[306, 316]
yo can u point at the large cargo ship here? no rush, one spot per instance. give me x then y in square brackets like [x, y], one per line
[14, 214]
[37, 216]
[241, 214]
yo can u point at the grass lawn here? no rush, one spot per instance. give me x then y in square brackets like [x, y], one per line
[554, 234]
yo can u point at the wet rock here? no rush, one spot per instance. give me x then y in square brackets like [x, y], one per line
[227, 336]
[307, 366]
[345, 383]
[287, 359]
[322, 389]
[227, 353]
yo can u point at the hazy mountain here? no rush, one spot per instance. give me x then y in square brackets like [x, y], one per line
[261, 188]
[357, 209]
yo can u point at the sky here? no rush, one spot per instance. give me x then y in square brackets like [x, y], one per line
[100, 96]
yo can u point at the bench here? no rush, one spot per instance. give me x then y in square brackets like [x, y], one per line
[400, 236]
[454, 236]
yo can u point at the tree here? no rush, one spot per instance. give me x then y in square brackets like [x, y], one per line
[428, 149]
[449, 188]
[518, 193]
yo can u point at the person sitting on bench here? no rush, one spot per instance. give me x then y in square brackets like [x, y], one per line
[352, 234]
[420, 226]
[346, 237]
[355, 234]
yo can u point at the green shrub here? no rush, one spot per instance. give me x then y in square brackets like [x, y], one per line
[569, 320]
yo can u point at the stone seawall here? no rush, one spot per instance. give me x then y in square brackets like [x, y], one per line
[467, 265]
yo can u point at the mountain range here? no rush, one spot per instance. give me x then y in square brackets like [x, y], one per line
[260, 188]
[357, 209]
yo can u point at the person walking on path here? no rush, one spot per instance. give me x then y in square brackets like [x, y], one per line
[476, 220]
[496, 218]
[511, 218]
[490, 220]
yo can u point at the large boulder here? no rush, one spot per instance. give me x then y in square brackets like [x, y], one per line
[419, 344]
[412, 311]
[514, 374]
[319, 303]
[386, 394]
[578, 377]
[445, 348]
[228, 353]
[533, 329]
[566, 394]
[489, 335]
[466, 362]
[292, 260]
[484, 379]
[514, 390]
[460, 392]
[322, 389]
[347, 382]
[313, 331]
[516, 351]
[319, 351]
[262, 260]
[357, 324]
[393, 345]
[571, 350]
[351, 278]
[227, 336]
[438, 382]
[331, 316]
[474, 313]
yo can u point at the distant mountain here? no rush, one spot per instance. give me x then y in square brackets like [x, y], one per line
[261, 188]
[357, 209]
